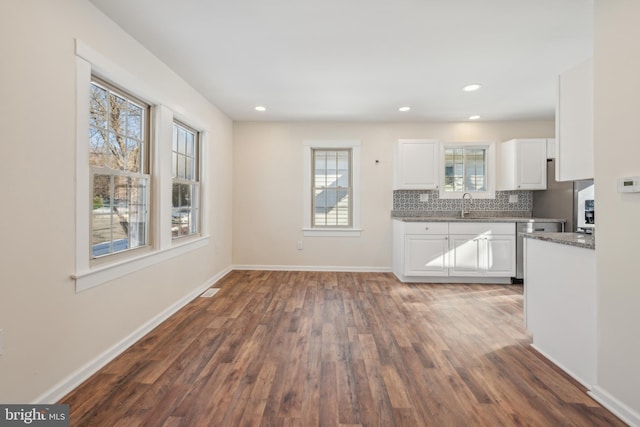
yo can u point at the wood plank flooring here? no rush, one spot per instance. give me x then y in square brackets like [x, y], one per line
[337, 349]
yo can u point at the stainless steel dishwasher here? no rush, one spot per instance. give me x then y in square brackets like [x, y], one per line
[530, 227]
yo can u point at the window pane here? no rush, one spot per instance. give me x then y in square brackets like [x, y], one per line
[174, 144]
[116, 151]
[134, 121]
[190, 172]
[117, 109]
[133, 156]
[103, 219]
[181, 166]
[119, 214]
[332, 181]
[191, 144]
[465, 169]
[98, 107]
[120, 123]
[184, 209]
[182, 138]
[97, 148]
[174, 164]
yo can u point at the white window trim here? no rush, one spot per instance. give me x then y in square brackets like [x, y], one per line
[162, 247]
[491, 170]
[354, 230]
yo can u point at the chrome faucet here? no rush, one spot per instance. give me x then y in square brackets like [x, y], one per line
[464, 212]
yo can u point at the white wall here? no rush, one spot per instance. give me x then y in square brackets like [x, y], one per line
[268, 175]
[617, 154]
[49, 330]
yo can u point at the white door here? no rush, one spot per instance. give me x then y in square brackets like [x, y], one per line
[499, 256]
[532, 164]
[426, 255]
[465, 255]
[416, 165]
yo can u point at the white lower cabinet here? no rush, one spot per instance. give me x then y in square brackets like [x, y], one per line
[473, 255]
[426, 255]
[500, 256]
[466, 254]
[424, 251]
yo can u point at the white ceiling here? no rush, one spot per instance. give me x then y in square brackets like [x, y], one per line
[359, 60]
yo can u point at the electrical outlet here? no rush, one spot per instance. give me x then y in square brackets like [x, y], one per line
[300, 245]
[513, 198]
[424, 197]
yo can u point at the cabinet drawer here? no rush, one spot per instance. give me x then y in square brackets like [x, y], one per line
[477, 228]
[426, 228]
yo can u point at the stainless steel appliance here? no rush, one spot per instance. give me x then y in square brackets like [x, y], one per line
[560, 200]
[586, 209]
[530, 227]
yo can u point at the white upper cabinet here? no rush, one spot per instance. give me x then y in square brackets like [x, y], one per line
[574, 124]
[523, 164]
[415, 165]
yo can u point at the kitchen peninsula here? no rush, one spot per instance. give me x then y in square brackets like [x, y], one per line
[560, 300]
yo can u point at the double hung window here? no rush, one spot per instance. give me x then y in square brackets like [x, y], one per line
[186, 186]
[332, 188]
[119, 167]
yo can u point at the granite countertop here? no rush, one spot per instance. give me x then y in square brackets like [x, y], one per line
[477, 216]
[579, 240]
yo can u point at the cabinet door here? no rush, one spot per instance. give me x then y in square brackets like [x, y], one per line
[416, 165]
[499, 256]
[574, 124]
[465, 255]
[426, 255]
[531, 164]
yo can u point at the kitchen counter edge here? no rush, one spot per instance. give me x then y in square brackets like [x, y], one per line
[420, 218]
[579, 240]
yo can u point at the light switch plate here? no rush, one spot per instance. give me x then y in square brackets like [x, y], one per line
[424, 197]
[513, 198]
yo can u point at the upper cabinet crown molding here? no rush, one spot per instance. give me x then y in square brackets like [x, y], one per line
[574, 123]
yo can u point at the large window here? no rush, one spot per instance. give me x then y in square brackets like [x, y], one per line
[118, 160]
[468, 168]
[331, 188]
[124, 182]
[186, 186]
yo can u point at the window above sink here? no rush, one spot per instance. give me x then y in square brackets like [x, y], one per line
[468, 168]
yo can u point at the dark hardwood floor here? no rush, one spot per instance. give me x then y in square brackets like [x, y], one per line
[337, 349]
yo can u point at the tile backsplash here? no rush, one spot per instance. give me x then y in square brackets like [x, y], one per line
[409, 200]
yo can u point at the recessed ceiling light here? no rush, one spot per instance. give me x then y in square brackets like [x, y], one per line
[472, 87]
[260, 108]
[476, 117]
[404, 109]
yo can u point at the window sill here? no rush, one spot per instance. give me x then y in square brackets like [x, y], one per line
[97, 276]
[332, 232]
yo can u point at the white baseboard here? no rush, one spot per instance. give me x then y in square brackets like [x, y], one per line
[313, 268]
[587, 384]
[621, 410]
[65, 386]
